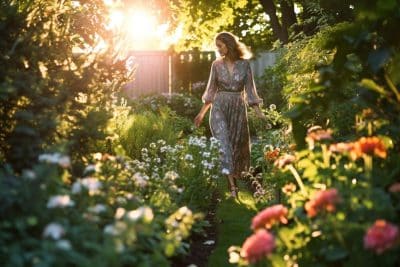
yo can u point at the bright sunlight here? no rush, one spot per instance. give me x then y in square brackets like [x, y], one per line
[142, 29]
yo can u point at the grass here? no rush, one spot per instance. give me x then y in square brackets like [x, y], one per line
[233, 217]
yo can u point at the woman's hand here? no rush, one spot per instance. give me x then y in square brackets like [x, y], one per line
[259, 113]
[199, 118]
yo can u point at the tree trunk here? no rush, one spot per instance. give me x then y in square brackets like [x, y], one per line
[288, 15]
[279, 31]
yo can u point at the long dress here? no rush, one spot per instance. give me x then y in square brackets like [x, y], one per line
[230, 94]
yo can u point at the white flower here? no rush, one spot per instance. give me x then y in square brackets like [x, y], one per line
[63, 244]
[60, 201]
[140, 179]
[97, 156]
[64, 162]
[152, 145]
[144, 213]
[98, 208]
[225, 171]
[209, 242]
[206, 154]
[93, 185]
[188, 157]
[272, 107]
[29, 174]
[119, 213]
[91, 168]
[171, 175]
[56, 158]
[53, 230]
[161, 142]
[115, 229]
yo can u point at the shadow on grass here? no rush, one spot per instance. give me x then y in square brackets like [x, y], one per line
[233, 217]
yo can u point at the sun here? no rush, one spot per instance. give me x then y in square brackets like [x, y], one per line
[141, 24]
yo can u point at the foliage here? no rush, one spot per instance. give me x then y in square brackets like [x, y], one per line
[342, 183]
[51, 94]
[122, 212]
[141, 129]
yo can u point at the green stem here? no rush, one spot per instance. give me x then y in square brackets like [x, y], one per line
[368, 165]
[325, 155]
[298, 178]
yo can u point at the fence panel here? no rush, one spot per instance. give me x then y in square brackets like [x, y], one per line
[152, 73]
[162, 72]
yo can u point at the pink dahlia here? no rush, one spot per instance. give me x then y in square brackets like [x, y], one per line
[381, 236]
[269, 216]
[258, 245]
[323, 200]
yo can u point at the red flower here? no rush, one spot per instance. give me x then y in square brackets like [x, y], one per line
[323, 200]
[257, 246]
[381, 236]
[272, 155]
[369, 146]
[269, 216]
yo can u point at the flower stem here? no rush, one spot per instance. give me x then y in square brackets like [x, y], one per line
[298, 178]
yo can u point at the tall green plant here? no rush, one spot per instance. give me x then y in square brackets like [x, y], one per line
[49, 93]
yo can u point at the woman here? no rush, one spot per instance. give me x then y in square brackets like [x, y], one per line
[230, 87]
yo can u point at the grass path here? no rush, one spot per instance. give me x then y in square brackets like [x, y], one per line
[233, 218]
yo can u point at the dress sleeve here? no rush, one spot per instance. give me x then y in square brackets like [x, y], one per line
[250, 88]
[211, 88]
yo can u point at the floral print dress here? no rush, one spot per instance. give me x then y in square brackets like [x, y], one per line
[230, 93]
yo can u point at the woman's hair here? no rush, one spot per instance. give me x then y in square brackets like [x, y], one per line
[236, 49]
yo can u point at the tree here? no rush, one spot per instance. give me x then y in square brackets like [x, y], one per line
[50, 95]
[278, 19]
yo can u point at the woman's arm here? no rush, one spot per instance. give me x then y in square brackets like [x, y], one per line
[199, 118]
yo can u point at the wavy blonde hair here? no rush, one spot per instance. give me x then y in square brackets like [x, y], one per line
[236, 49]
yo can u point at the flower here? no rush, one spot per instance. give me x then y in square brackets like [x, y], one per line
[258, 245]
[171, 175]
[60, 201]
[316, 133]
[289, 188]
[92, 184]
[269, 216]
[53, 230]
[341, 147]
[381, 236]
[394, 188]
[284, 160]
[323, 200]
[271, 155]
[370, 146]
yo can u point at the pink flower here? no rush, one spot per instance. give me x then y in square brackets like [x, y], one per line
[284, 160]
[394, 188]
[258, 245]
[269, 216]
[323, 200]
[381, 236]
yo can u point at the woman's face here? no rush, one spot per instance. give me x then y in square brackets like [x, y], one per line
[221, 47]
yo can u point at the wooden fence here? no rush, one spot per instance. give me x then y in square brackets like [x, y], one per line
[163, 72]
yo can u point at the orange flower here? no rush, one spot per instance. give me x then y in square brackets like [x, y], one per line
[289, 188]
[272, 155]
[270, 216]
[323, 200]
[257, 246]
[381, 236]
[284, 160]
[369, 146]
